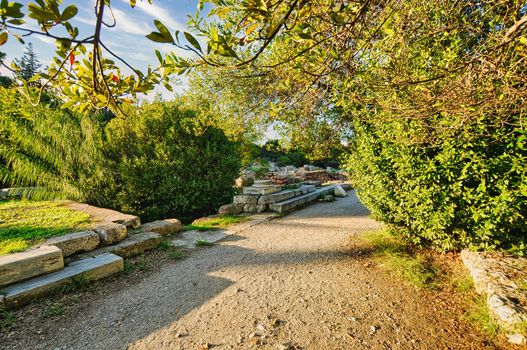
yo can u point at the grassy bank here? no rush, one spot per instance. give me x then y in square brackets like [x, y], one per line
[25, 223]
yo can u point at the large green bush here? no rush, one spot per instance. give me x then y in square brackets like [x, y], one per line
[161, 164]
[156, 163]
[469, 189]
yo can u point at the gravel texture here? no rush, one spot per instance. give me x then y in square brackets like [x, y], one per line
[296, 282]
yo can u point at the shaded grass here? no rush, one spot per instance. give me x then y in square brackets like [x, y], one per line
[203, 243]
[53, 309]
[7, 320]
[401, 259]
[219, 222]
[25, 223]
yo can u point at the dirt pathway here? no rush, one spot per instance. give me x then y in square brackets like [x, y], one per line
[290, 283]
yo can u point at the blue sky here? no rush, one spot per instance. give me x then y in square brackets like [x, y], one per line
[127, 38]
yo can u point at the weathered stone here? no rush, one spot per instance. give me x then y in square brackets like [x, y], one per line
[72, 243]
[290, 204]
[22, 266]
[136, 244]
[339, 191]
[111, 233]
[189, 239]
[88, 269]
[249, 208]
[260, 208]
[231, 209]
[260, 190]
[103, 215]
[244, 180]
[495, 276]
[163, 227]
[517, 339]
[277, 197]
[245, 199]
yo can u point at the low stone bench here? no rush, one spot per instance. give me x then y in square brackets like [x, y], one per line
[163, 227]
[89, 269]
[35, 262]
[72, 243]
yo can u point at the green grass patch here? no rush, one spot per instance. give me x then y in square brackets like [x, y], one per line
[53, 309]
[207, 224]
[177, 255]
[25, 223]
[7, 320]
[399, 258]
[202, 243]
[479, 313]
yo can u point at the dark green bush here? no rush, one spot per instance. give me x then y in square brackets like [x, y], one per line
[160, 164]
[468, 189]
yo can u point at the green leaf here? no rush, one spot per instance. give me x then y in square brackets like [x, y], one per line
[163, 30]
[159, 57]
[157, 37]
[132, 3]
[69, 12]
[192, 41]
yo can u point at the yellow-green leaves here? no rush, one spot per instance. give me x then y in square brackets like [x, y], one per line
[192, 41]
[68, 13]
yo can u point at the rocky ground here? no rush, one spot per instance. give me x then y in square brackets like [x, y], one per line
[298, 282]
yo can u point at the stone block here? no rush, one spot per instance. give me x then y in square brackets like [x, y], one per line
[89, 269]
[136, 244]
[249, 208]
[261, 191]
[72, 243]
[163, 227]
[277, 197]
[245, 199]
[260, 208]
[231, 209]
[339, 191]
[111, 233]
[22, 266]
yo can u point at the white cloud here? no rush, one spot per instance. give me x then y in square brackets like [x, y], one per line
[127, 24]
[158, 12]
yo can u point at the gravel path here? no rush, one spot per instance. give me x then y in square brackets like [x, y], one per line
[291, 283]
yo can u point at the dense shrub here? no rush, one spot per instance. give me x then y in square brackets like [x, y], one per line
[160, 164]
[469, 189]
[155, 163]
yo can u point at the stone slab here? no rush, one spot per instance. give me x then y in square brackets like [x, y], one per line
[72, 243]
[260, 191]
[35, 262]
[111, 233]
[496, 276]
[103, 215]
[231, 209]
[189, 239]
[163, 227]
[339, 191]
[89, 269]
[277, 197]
[136, 244]
[290, 204]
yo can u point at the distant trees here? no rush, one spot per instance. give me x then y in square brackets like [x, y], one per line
[28, 65]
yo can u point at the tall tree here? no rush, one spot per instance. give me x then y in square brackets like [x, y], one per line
[28, 65]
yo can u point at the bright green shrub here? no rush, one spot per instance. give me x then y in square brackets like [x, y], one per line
[160, 164]
[469, 189]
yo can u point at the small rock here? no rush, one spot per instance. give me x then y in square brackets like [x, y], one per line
[373, 329]
[517, 339]
[260, 327]
[205, 346]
